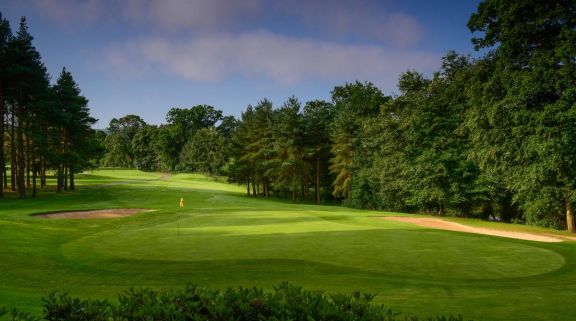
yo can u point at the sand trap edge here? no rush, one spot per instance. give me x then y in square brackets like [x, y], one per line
[436, 223]
[92, 214]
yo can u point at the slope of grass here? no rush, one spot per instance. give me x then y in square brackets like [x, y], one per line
[223, 238]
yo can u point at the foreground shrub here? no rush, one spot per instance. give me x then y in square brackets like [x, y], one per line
[16, 315]
[195, 303]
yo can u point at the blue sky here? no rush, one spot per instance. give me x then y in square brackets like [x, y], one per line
[146, 56]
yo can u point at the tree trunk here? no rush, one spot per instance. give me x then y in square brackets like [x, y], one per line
[21, 181]
[440, 210]
[318, 179]
[65, 178]
[5, 177]
[13, 167]
[72, 185]
[570, 217]
[254, 188]
[21, 155]
[248, 187]
[34, 174]
[28, 161]
[349, 187]
[42, 169]
[42, 173]
[2, 164]
[59, 179]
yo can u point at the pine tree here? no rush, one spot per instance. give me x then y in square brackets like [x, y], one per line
[318, 115]
[289, 167]
[28, 82]
[241, 167]
[353, 104]
[78, 140]
[5, 38]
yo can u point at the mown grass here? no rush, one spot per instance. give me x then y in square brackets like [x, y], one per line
[228, 239]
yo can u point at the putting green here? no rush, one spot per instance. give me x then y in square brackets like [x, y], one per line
[224, 238]
[387, 249]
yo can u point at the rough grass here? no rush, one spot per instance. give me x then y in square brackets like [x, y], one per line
[228, 239]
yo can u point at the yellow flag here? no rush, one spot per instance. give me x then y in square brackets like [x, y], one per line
[182, 202]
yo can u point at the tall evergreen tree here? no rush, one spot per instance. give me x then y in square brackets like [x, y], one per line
[318, 115]
[353, 103]
[261, 149]
[79, 144]
[5, 38]
[240, 167]
[28, 80]
[288, 166]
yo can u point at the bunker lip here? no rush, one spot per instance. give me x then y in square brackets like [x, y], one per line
[92, 214]
[440, 224]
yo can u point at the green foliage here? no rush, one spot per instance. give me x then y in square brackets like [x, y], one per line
[437, 173]
[317, 117]
[80, 145]
[185, 122]
[284, 151]
[118, 142]
[204, 152]
[58, 306]
[16, 315]
[285, 302]
[521, 124]
[353, 103]
[188, 121]
[289, 164]
[255, 137]
[144, 149]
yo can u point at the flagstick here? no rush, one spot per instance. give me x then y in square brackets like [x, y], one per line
[180, 213]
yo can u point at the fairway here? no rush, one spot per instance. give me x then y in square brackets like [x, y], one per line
[228, 239]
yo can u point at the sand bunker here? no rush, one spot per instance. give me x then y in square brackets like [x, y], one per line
[109, 213]
[451, 226]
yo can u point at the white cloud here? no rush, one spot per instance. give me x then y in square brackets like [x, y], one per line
[68, 12]
[366, 20]
[268, 56]
[400, 29]
[361, 20]
[187, 14]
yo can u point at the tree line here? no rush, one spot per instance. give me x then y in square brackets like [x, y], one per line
[43, 126]
[490, 137]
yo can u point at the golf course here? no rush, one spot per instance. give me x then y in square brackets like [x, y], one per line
[223, 238]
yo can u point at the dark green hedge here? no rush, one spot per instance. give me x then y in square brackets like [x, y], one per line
[193, 303]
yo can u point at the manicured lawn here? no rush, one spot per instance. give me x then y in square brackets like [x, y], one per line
[229, 239]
